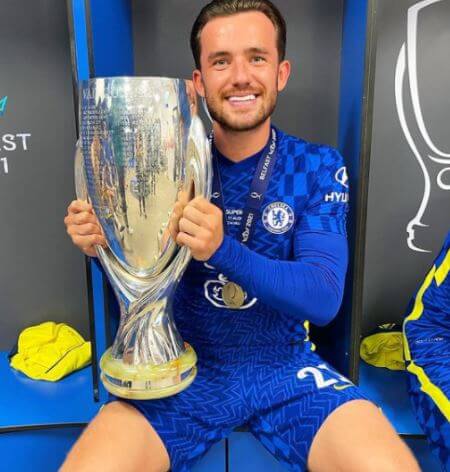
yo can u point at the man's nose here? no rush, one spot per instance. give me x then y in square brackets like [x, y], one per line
[241, 75]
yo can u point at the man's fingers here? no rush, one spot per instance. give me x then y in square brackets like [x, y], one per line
[90, 251]
[88, 241]
[173, 225]
[183, 197]
[203, 205]
[177, 210]
[193, 214]
[173, 233]
[87, 229]
[83, 227]
[172, 230]
[79, 205]
[173, 222]
[187, 226]
[184, 239]
[177, 213]
[83, 218]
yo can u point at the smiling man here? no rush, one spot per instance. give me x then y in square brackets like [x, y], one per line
[269, 256]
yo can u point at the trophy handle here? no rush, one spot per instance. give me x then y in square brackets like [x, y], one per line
[199, 170]
[80, 177]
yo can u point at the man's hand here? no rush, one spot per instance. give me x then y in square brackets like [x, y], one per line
[177, 213]
[83, 227]
[200, 228]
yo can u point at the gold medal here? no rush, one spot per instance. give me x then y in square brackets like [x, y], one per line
[233, 295]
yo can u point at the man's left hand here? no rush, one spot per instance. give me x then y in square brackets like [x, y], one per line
[201, 228]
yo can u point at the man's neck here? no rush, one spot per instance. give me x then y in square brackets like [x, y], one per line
[238, 145]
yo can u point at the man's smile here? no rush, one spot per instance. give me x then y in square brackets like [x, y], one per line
[239, 100]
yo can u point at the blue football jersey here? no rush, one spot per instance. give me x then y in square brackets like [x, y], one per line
[427, 352]
[307, 192]
[427, 324]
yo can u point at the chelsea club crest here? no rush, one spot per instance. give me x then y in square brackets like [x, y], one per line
[278, 217]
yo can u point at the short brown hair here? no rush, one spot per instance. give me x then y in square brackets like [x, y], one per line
[218, 8]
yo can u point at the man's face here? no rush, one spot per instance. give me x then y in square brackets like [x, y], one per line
[240, 73]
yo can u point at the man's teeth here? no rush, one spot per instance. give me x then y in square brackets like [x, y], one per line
[242, 99]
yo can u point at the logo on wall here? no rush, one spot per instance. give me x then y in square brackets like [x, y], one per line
[3, 102]
[10, 142]
[424, 149]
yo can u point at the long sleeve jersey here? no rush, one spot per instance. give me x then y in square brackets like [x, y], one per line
[293, 268]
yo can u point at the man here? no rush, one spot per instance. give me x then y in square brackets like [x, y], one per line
[278, 260]
[427, 354]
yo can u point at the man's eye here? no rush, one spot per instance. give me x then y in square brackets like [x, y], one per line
[258, 59]
[220, 62]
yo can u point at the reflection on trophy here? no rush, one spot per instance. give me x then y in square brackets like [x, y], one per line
[424, 149]
[141, 143]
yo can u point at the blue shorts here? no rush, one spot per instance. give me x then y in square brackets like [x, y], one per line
[429, 407]
[282, 394]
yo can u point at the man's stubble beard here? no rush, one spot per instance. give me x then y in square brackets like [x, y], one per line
[229, 125]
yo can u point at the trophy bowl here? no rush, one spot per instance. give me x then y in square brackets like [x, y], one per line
[141, 143]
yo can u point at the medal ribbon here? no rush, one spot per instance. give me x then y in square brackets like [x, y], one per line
[257, 191]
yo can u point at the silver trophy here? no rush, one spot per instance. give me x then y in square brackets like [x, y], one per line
[141, 142]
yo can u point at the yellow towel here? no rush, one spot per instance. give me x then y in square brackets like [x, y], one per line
[384, 349]
[50, 351]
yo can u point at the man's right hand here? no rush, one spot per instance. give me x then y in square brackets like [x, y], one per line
[83, 227]
[177, 213]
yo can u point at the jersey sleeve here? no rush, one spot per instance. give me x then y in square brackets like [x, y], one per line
[327, 205]
[309, 288]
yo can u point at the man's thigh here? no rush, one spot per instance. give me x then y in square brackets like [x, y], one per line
[318, 419]
[190, 422]
[356, 437]
[186, 425]
[119, 438]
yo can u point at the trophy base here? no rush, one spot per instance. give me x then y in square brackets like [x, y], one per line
[148, 382]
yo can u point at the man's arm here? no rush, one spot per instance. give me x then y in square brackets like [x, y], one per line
[308, 288]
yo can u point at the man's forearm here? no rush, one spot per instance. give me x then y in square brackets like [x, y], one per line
[308, 290]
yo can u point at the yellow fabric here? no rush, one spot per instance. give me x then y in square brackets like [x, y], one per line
[50, 351]
[432, 390]
[307, 338]
[438, 274]
[384, 350]
[418, 309]
[443, 270]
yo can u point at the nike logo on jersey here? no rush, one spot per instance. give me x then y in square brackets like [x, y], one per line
[342, 387]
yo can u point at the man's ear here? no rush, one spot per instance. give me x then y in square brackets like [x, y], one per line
[198, 82]
[284, 71]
